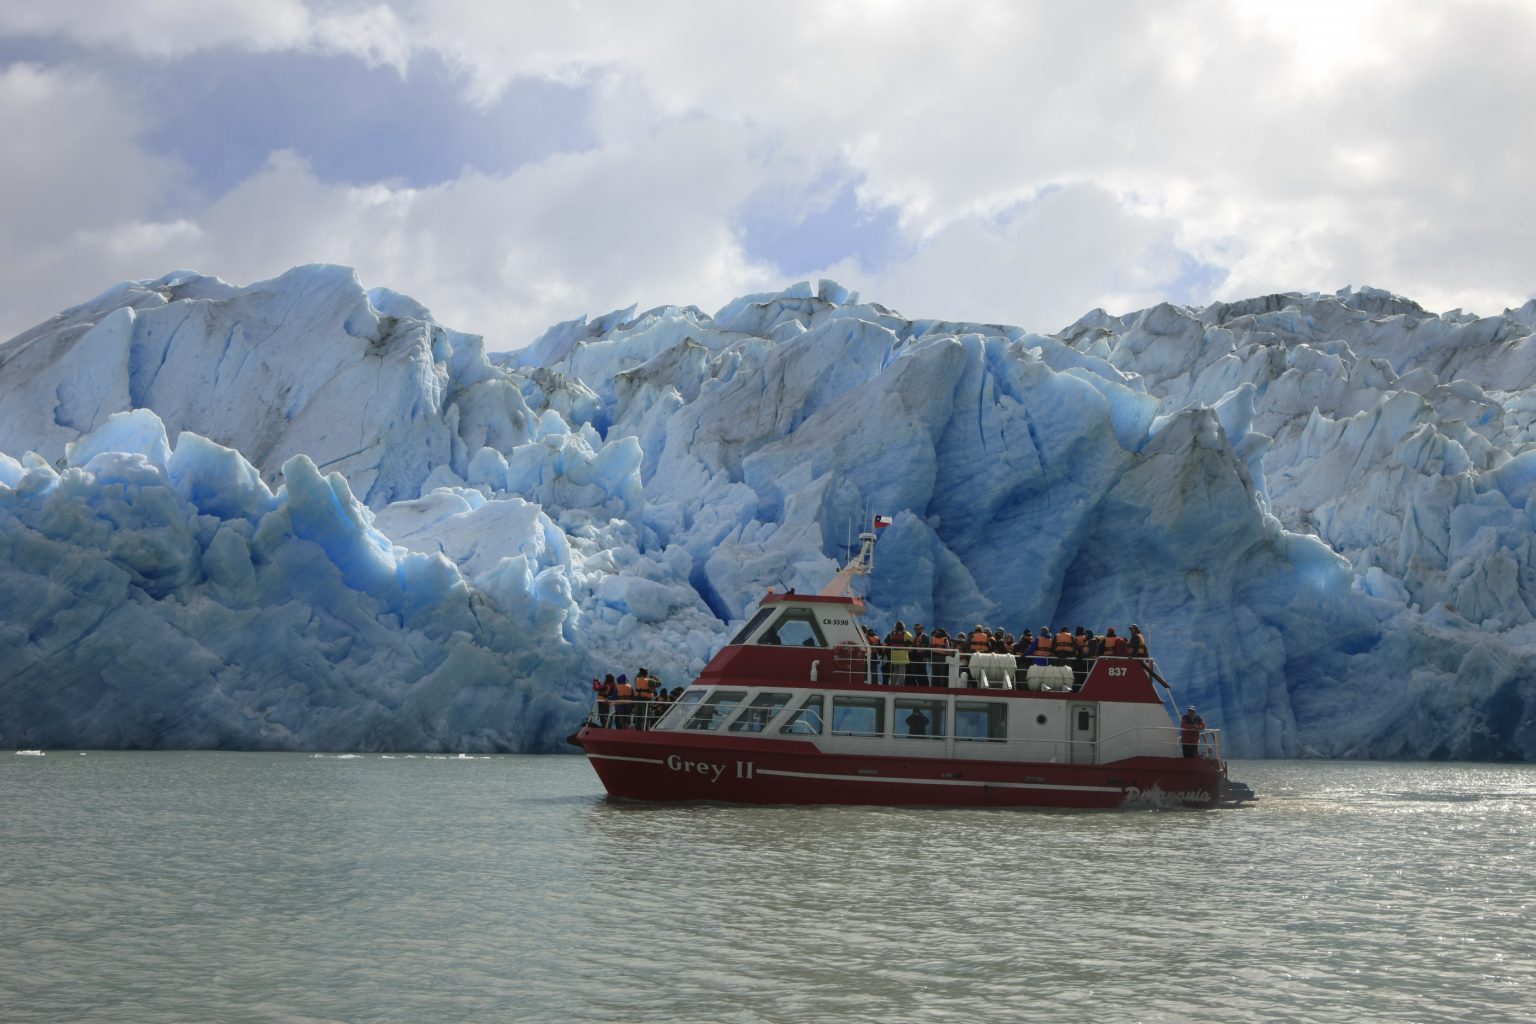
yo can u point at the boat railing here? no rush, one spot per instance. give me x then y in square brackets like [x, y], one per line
[947, 668]
[628, 714]
[854, 663]
[1158, 741]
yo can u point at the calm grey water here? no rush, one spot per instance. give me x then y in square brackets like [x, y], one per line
[147, 887]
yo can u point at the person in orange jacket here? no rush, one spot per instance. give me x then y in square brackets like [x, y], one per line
[624, 704]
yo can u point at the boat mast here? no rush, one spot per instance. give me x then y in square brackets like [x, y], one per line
[859, 566]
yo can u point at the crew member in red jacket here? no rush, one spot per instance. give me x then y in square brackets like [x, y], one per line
[1190, 727]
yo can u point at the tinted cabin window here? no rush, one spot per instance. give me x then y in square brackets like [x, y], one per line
[752, 624]
[760, 712]
[806, 721]
[681, 709]
[981, 720]
[858, 716]
[714, 711]
[796, 627]
[920, 719]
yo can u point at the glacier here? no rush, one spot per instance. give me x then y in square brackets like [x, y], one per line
[303, 514]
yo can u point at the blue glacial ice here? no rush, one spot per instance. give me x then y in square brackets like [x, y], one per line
[305, 515]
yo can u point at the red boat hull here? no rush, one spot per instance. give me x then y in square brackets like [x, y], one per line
[672, 766]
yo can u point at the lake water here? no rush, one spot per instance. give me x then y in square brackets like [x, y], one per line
[149, 887]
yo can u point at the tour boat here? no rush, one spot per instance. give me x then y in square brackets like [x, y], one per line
[792, 711]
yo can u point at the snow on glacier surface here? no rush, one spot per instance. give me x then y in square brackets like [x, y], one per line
[302, 514]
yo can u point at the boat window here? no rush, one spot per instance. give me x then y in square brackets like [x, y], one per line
[679, 710]
[714, 711]
[806, 721]
[981, 720]
[752, 624]
[858, 716]
[760, 712]
[796, 627]
[919, 718]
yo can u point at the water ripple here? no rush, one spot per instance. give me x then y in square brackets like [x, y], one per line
[180, 887]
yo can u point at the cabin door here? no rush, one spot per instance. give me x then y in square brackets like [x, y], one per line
[1083, 733]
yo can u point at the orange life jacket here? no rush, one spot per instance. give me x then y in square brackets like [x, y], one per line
[1063, 645]
[1136, 646]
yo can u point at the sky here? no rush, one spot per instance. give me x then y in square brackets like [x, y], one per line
[515, 164]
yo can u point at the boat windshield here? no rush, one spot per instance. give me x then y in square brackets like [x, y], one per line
[790, 627]
[752, 624]
[796, 627]
[806, 721]
[679, 711]
[759, 713]
[712, 714]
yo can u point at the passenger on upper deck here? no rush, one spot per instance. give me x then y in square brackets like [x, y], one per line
[1022, 645]
[623, 703]
[661, 702]
[919, 667]
[938, 658]
[898, 640]
[645, 693]
[1079, 658]
[980, 638]
[1136, 645]
[879, 657]
[1063, 647]
[601, 689]
[1114, 646]
[1044, 646]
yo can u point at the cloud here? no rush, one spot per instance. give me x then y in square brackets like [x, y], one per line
[1042, 265]
[82, 197]
[170, 28]
[1002, 161]
[501, 255]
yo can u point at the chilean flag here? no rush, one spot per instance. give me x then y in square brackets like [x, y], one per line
[881, 522]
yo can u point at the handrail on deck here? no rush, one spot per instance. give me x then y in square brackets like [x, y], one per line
[629, 714]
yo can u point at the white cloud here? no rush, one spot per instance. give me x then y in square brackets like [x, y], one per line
[504, 256]
[1044, 266]
[1302, 146]
[172, 28]
[163, 27]
[1043, 158]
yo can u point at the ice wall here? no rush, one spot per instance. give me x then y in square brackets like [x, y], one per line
[302, 514]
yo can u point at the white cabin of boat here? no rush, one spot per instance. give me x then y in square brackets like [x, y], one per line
[801, 669]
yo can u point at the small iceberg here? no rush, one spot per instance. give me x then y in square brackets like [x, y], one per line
[30, 753]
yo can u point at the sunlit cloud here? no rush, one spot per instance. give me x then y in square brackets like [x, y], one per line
[1021, 162]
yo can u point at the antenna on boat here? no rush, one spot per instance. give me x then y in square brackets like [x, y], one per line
[861, 565]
